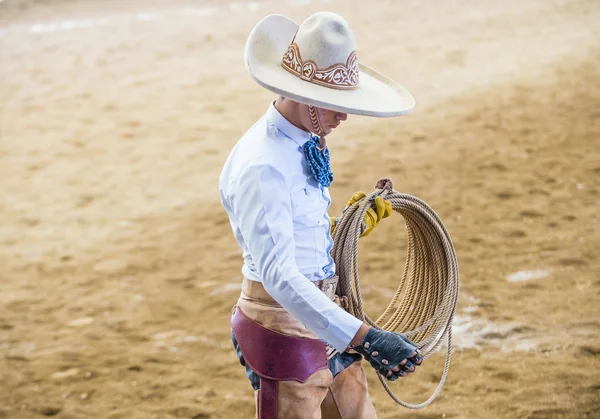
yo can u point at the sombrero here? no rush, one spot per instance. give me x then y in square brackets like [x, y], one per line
[315, 63]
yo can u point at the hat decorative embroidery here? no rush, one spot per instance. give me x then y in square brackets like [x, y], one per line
[338, 76]
[318, 161]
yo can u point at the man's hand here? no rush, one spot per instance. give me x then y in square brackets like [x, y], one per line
[393, 355]
[383, 209]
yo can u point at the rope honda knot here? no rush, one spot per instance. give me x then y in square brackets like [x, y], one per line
[385, 183]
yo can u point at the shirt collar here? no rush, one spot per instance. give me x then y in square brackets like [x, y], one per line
[299, 136]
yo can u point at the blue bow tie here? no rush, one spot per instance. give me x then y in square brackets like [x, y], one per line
[318, 160]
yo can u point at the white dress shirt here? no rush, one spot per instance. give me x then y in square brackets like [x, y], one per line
[278, 213]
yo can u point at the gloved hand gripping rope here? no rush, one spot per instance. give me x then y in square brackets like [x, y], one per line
[424, 304]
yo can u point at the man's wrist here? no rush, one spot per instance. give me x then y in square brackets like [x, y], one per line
[360, 335]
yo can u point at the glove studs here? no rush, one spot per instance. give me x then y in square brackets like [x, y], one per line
[366, 345]
[374, 353]
[384, 361]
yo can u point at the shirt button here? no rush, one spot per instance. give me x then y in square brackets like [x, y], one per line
[306, 191]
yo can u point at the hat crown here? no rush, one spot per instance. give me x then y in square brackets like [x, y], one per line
[326, 39]
[323, 52]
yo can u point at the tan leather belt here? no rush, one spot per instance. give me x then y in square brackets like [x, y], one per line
[256, 290]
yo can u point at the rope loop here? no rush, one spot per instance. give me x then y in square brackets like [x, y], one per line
[425, 301]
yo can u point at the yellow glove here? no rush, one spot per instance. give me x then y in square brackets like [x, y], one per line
[383, 209]
[355, 198]
[334, 221]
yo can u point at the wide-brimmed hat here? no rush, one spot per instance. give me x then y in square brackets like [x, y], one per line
[316, 63]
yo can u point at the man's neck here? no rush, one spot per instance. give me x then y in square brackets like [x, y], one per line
[291, 111]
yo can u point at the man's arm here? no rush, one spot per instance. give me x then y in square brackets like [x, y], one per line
[263, 212]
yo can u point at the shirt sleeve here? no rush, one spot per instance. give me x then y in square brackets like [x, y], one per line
[263, 211]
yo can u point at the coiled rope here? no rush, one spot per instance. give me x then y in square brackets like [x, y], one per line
[424, 304]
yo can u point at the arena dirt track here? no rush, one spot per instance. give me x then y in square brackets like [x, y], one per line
[118, 269]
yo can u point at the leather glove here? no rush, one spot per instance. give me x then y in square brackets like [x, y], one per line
[383, 209]
[386, 350]
[334, 221]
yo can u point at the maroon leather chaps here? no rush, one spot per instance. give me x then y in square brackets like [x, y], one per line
[276, 357]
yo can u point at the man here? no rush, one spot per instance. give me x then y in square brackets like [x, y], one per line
[286, 325]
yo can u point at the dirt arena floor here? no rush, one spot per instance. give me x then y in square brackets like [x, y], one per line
[118, 269]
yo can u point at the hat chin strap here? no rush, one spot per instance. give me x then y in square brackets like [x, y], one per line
[316, 126]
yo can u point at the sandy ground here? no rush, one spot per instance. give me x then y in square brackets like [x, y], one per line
[118, 269]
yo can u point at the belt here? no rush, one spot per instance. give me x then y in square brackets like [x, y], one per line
[256, 290]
